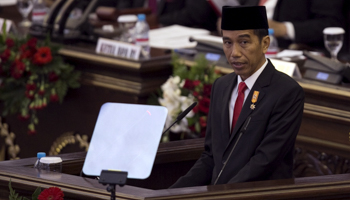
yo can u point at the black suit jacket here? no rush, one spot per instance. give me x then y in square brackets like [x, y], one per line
[309, 18]
[265, 150]
[192, 13]
[124, 4]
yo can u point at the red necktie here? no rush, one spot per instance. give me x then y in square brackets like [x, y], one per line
[262, 2]
[239, 103]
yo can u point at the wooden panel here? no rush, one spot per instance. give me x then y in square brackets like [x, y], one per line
[25, 179]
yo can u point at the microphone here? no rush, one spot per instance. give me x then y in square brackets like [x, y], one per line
[244, 128]
[182, 115]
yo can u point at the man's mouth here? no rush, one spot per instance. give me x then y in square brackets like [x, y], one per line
[237, 64]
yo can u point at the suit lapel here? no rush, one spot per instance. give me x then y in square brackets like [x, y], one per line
[225, 122]
[260, 84]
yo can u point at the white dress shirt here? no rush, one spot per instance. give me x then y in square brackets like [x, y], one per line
[250, 83]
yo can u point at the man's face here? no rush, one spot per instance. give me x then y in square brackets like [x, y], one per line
[244, 51]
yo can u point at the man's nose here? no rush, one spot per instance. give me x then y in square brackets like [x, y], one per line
[235, 52]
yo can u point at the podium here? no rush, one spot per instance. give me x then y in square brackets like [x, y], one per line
[25, 180]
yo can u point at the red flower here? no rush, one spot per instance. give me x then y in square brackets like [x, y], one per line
[17, 69]
[52, 193]
[31, 106]
[195, 109]
[207, 90]
[30, 86]
[32, 43]
[10, 43]
[41, 92]
[5, 55]
[188, 84]
[42, 56]
[196, 82]
[54, 97]
[23, 117]
[27, 54]
[29, 94]
[44, 102]
[53, 77]
[204, 105]
[203, 121]
[23, 47]
[31, 132]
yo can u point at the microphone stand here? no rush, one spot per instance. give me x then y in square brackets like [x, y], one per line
[182, 115]
[234, 146]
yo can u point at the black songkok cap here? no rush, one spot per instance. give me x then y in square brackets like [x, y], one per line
[243, 18]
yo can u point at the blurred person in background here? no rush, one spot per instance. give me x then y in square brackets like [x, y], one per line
[301, 21]
[198, 14]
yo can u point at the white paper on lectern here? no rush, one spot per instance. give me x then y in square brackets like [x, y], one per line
[126, 138]
[174, 37]
[289, 68]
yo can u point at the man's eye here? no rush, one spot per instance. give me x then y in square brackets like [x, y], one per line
[244, 42]
[227, 42]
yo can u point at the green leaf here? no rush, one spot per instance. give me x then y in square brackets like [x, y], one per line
[61, 89]
[36, 193]
[4, 34]
[13, 194]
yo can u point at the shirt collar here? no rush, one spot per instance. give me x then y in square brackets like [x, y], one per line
[251, 79]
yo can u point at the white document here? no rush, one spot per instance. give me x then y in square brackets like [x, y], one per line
[116, 48]
[209, 40]
[288, 68]
[7, 2]
[174, 37]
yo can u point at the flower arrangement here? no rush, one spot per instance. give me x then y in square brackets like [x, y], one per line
[32, 75]
[188, 84]
[51, 193]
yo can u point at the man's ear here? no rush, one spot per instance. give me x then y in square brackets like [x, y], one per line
[265, 43]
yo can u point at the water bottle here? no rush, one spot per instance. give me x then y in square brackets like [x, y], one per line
[141, 35]
[273, 48]
[127, 24]
[39, 155]
[39, 12]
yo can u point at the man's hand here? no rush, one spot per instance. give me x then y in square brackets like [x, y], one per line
[279, 28]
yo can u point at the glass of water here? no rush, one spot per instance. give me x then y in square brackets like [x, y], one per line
[333, 40]
[25, 7]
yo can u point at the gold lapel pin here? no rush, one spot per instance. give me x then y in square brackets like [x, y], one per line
[254, 99]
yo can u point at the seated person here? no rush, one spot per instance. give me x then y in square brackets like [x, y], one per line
[124, 4]
[255, 112]
[189, 13]
[301, 21]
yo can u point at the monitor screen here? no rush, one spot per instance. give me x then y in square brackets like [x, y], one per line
[125, 138]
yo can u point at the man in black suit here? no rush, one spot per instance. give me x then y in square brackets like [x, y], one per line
[256, 143]
[307, 20]
[190, 13]
[198, 14]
